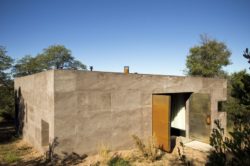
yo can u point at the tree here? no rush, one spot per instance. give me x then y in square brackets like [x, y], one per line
[53, 57]
[6, 85]
[27, 65]
[238, 96]
[241, 87]
[59, 57]
[233, 149]
[208, 58]
[5, 64]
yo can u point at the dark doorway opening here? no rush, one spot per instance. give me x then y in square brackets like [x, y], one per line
[178, 114]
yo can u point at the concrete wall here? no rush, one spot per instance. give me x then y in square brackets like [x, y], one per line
[93, 108]
[86, 109]
[37, 102]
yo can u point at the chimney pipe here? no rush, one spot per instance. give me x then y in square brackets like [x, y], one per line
[126, 69]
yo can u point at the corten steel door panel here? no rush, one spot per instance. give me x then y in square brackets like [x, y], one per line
[199, 111]
[161, 120]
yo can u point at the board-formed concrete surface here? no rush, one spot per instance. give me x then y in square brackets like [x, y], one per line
[85, 109]
[36, 93]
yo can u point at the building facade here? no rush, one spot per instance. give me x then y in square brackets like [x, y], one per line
[84, 109]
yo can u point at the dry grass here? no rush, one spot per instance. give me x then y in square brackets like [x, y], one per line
[15, 152]
[11, 157]
[104, 157]
[104, 154]
[12, 150]
[150, 150]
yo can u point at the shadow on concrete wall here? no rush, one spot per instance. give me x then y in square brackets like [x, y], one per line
[19, 112]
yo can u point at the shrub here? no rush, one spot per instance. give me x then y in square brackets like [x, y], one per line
[149, 151]
[11, 158]
[182, 157]
[234, 150]
[117, 160]
[238, 146]
[7, 102]
[50, 155]
[104, 153]
[217, 156]
[51, 158]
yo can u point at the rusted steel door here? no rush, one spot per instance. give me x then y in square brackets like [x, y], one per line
[161, 120]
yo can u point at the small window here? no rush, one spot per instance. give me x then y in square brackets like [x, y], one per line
[220, 105]
[45, 133]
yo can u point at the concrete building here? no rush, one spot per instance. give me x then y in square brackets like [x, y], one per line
[85, 109]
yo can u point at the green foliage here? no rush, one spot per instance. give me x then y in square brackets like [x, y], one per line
[234, 150]
[59, 57]
[5, 60]
[53, 57]
[104, 153]
[238, 99]
[117, 160]
[7, 101]
[6, 85]
[218, 156]
[11, 158]
[28, 65]
[241, 87]
[5, 64]
[239, 143]
[208, 58]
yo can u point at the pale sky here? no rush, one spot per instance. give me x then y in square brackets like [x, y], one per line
[149, 36]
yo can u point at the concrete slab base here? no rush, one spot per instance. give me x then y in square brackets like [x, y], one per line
[199, 146]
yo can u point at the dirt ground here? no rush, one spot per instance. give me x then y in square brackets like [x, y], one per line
[14, 151]
[26, 155]
[18, 152]
[194, 157]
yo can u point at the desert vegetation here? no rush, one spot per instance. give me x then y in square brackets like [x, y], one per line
[234, 149]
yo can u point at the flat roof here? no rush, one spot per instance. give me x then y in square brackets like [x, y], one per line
[121, 73]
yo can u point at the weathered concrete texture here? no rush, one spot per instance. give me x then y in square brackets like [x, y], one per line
[37, 99]
[85, 109]
[97, 107]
